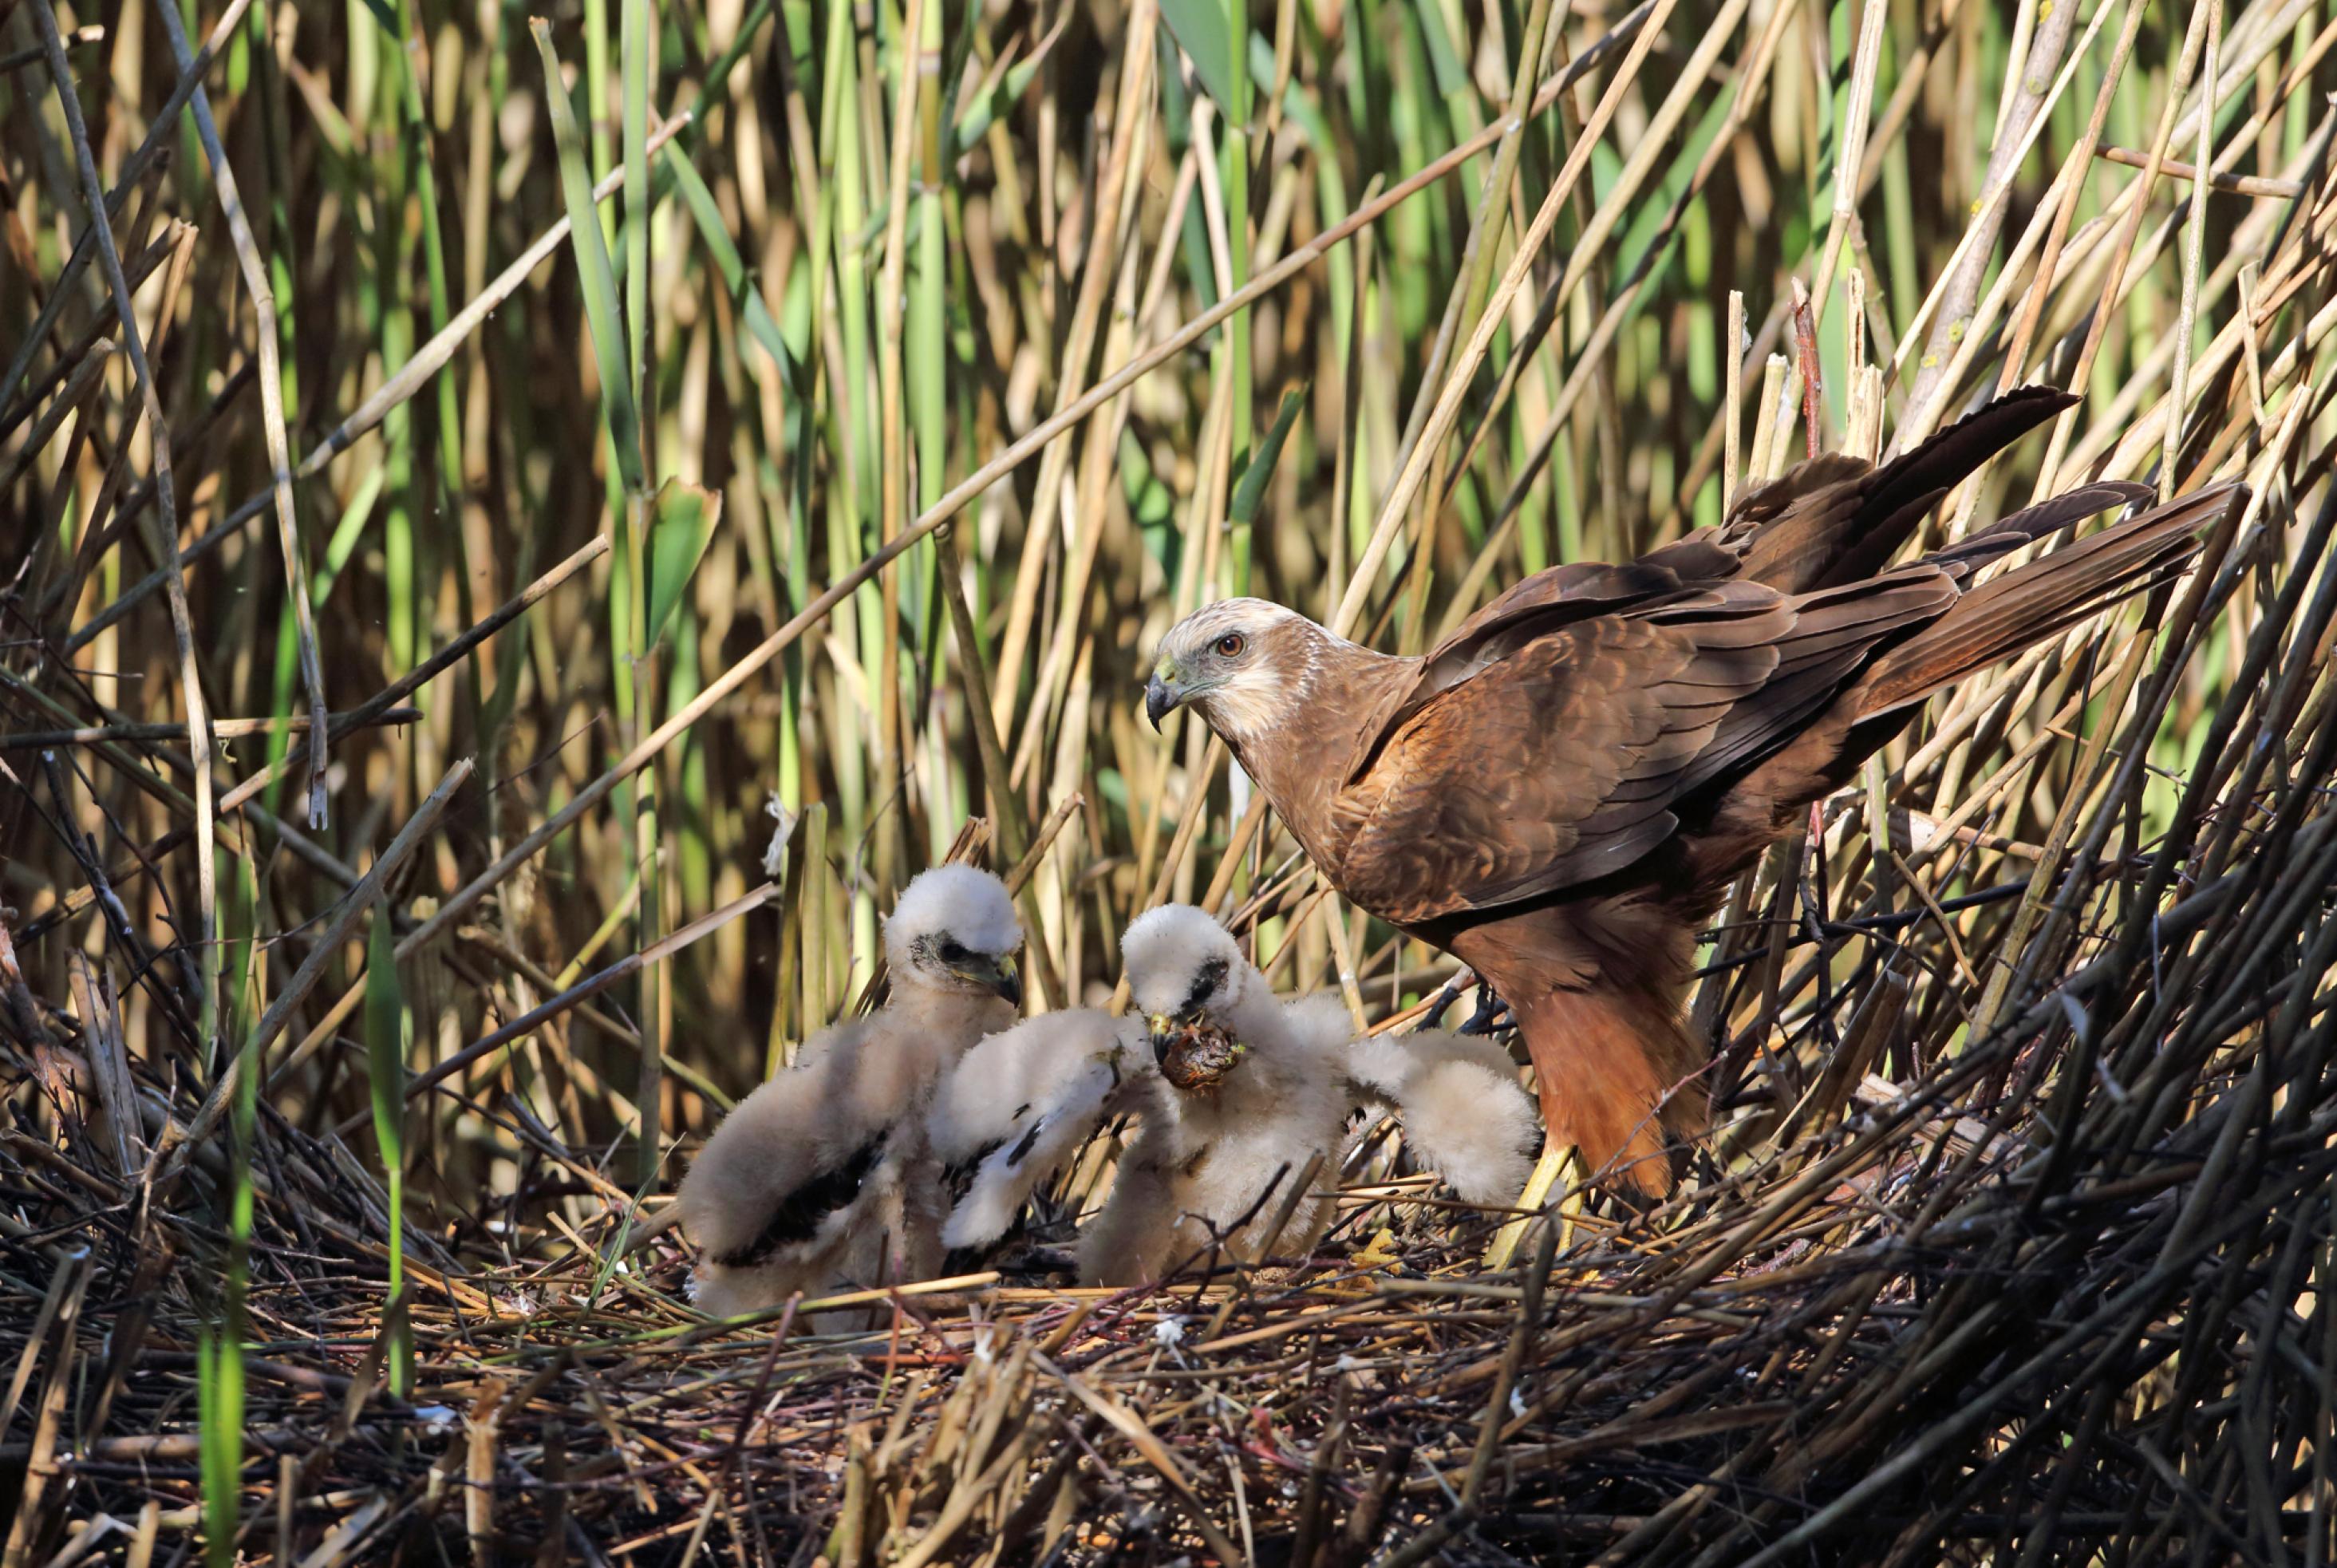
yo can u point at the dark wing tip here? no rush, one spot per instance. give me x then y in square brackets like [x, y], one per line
[2038, 400]
[2005, 419]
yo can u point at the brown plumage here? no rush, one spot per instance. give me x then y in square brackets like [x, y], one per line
[1561, 792]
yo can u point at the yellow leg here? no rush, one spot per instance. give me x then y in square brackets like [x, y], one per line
[1546, 1173]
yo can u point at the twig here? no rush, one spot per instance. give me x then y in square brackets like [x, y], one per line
[327, 952]
[163, 538]
[221, 729]
[2234, 184]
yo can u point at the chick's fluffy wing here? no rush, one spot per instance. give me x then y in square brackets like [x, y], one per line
[1062, 1084]
[787, 1156]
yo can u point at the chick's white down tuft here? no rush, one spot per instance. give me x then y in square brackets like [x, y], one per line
[1021, 1102]
[1006, 1079]
[1474, 1127]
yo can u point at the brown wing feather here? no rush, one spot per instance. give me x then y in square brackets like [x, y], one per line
[2024, 606]
[1540, 605]
[1565, 761]
[1554, 766]
[1547, 741]
[1782, 530]
[1833, 521]
[1829, 523]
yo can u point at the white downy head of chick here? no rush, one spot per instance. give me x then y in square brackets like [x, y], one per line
[1183, 967]
[955, 932]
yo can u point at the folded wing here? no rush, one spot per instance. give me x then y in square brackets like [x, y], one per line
[790, 1159]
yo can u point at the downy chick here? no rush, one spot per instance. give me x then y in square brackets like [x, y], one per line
[1250, 1086]
[823, 1178]
[1251, 1096]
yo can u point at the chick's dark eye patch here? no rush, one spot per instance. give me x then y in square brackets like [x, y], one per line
[1204, 984]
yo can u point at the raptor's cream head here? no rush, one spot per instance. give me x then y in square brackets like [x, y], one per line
[1244, 665]
[954, 929]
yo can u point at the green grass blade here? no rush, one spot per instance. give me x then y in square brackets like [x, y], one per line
[1250, 493]
[635, 59]
[707, 216]
[1200, 29]
[602, 310]
[218, 1363]
[681, 525]
[385, 1029]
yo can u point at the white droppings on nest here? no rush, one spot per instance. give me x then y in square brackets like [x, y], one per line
[1169, 1332]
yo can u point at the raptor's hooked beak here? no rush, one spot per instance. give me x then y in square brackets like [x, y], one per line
[1163, 1029]
[1162, 697]
[996, 976]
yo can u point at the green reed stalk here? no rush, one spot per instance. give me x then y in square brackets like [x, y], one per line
[651, 989]
[387, 1029]
[220, 1355]
[635, 808]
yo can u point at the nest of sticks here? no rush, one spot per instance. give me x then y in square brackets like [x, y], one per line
[2055, 1286]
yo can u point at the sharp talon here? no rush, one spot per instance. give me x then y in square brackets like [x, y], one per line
[1492, 1012]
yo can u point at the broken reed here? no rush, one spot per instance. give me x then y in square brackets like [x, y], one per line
[851, 257]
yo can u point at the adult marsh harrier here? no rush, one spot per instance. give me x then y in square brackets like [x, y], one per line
[1560, 794]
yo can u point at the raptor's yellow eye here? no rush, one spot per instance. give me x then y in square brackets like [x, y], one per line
[1230, 645]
